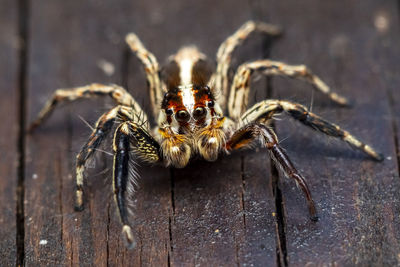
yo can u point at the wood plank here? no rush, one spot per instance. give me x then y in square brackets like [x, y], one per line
[222, 211]
[9, 130]
[70, 58]
[184, 220]
[387, 58]
[357, 198]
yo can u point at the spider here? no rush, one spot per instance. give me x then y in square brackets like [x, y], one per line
[188, 99]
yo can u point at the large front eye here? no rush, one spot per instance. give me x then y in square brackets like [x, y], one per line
[169, 111]
[199, 113]
[182, 116]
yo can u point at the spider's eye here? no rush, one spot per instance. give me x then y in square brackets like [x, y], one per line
[169, 111]
[210, 103]
[199, 113]
[182, 116]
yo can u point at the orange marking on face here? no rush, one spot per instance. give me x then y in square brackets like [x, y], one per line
[176, 103]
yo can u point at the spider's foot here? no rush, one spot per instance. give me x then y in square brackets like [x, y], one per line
[32, 127]
[314, 218]
[79, 200]
[78, 208]
[348, 103]
[128, 237]
[312, 210]
[378, 157]
[341, 100]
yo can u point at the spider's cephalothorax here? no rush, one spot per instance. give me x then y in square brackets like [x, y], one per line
[188, 100]
[190, 121]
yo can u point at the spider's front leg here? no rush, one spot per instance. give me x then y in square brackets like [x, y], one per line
[131, 141]
[252, 132]
[239, 94]
[119, 94]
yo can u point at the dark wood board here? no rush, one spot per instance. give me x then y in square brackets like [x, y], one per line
[208, 214]
[357, 199]
[8, 131]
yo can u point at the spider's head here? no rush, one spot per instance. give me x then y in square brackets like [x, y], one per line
[189, 103]
[187, 108]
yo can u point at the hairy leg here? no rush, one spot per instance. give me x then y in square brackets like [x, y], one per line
[238, 98]
[224, 54]
[119, 94]
[250, 133]
[264, 111]
[131, 141]
[103, 127]
[152, 70]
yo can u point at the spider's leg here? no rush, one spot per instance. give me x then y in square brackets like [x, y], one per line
[152, 70]
[120, 177]
[100, 132]
[131, 141]
[224, 54]
[264, 110]
[238, 98]
[119, 94]
[252, 132]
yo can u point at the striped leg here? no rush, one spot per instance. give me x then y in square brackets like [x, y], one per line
[119, 94]
[143, 146]
[152, 70]
[224, 54]
[250, 133]
[238, 98]
[263, 111]
[103, 127]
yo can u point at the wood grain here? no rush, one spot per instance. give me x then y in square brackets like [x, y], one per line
[9, 130]
[208, 214]
[354, 194]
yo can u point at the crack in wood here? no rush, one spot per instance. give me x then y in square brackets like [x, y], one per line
[391, 102]
[108, 233]
[395, 128]
[172, 192]
[60, 188]
[168, 259]
[282, 259]
[171, 216]
[281, 246]
[23, 21]
[242, 200]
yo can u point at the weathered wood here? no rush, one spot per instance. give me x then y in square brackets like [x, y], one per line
[209, 214]
[357, 198]
[66, 57]
[211, 201]
[8, 130]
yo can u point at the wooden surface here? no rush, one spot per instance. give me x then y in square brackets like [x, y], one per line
[238, 210]
[8, 131]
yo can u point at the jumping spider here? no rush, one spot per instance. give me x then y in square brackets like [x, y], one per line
[189, 103]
